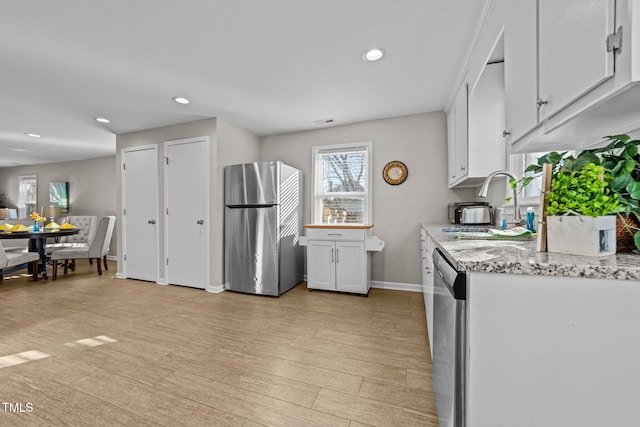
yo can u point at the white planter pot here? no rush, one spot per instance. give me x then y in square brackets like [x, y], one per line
[582, 235]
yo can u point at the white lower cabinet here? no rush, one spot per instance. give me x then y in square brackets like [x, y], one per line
[339, 259]
[426, 248]
[337, 266]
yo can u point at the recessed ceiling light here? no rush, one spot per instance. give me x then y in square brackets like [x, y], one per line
[181, 100]
[373, 55]
[102, 120]
[33, 135]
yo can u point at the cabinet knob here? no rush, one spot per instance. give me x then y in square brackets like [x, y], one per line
[462, 168]
[505, 133]
[540, 102]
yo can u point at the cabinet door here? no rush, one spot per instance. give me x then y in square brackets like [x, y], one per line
[520, 68]
[451, 145]
[572, 51]
[350, 265]
[321, 270]
[427, 283]
[461, 133]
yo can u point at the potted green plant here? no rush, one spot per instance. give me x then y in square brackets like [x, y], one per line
[620, 160]
[580, 208]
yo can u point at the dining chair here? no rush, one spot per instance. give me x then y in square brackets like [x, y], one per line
[97, 249]
[13, 261]
[82, 240]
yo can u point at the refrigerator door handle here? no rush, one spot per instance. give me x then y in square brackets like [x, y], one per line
[332, 254]
[337, 252]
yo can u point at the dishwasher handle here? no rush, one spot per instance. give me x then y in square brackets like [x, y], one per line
[454, 280]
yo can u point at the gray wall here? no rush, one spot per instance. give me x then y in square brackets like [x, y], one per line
[92, 189]
[420, 141]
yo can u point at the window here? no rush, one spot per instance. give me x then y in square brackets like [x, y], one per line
[518, 163]
[342, 184]
[27, 195]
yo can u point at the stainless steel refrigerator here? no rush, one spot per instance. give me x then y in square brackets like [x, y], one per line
[263, 222]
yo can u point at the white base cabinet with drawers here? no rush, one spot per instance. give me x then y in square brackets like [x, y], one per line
[339, 259]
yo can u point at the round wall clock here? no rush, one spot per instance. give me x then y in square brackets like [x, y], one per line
[395, 173]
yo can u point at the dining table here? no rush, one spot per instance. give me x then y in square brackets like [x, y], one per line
[38, 242]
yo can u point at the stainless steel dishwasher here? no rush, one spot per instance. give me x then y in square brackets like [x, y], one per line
[449, 342]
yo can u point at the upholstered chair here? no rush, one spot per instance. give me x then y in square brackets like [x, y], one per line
[97, 249]
[87, 225]
[13, 261]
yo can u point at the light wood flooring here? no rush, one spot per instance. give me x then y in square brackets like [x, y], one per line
[98, 351]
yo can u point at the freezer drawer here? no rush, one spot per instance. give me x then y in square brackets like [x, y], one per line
[251, 250]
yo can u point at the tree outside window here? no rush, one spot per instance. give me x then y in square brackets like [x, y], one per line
[342, 184]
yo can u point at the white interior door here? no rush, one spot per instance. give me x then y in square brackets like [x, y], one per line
[140, 212]
[187, 213]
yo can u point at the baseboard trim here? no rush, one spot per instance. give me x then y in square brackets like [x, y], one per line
[112, 257]
[408, 287]
[215, 289]
[162, 282]
[120, 276]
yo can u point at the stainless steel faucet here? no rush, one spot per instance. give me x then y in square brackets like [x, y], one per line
[517, 219]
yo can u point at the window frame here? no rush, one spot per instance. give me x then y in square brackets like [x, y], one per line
[22, 205]
[517, 164]
[316, 196]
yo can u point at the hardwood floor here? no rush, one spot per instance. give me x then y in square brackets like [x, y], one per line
[91, 350]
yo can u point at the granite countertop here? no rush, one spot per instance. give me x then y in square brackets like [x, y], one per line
[521, 257]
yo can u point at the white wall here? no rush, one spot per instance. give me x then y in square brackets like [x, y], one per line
[420, 141]
[92, 190]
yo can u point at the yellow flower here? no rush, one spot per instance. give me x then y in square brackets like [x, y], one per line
[36, 217]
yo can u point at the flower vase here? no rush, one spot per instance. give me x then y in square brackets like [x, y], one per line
[36, 226]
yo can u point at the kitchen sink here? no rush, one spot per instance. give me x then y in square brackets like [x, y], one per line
[464, 228]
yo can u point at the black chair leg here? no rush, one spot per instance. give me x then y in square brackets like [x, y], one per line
[55, 269]
[99, 266]
[66, 266]
[106, 267]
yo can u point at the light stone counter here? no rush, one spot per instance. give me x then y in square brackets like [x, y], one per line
[521, 257]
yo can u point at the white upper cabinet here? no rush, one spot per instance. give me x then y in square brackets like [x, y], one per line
[457, 137]
[520, 68]
[572, 51]
[461, 134]
[476, 145]
[571, 72]
[451, 151]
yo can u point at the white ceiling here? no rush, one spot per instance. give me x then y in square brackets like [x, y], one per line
[270, 66]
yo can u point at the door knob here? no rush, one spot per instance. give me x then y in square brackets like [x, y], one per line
[540, 102]
[200, 221]
[152, 221]
[505, 133]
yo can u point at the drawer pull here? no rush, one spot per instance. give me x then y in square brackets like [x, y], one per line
[334, 234]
